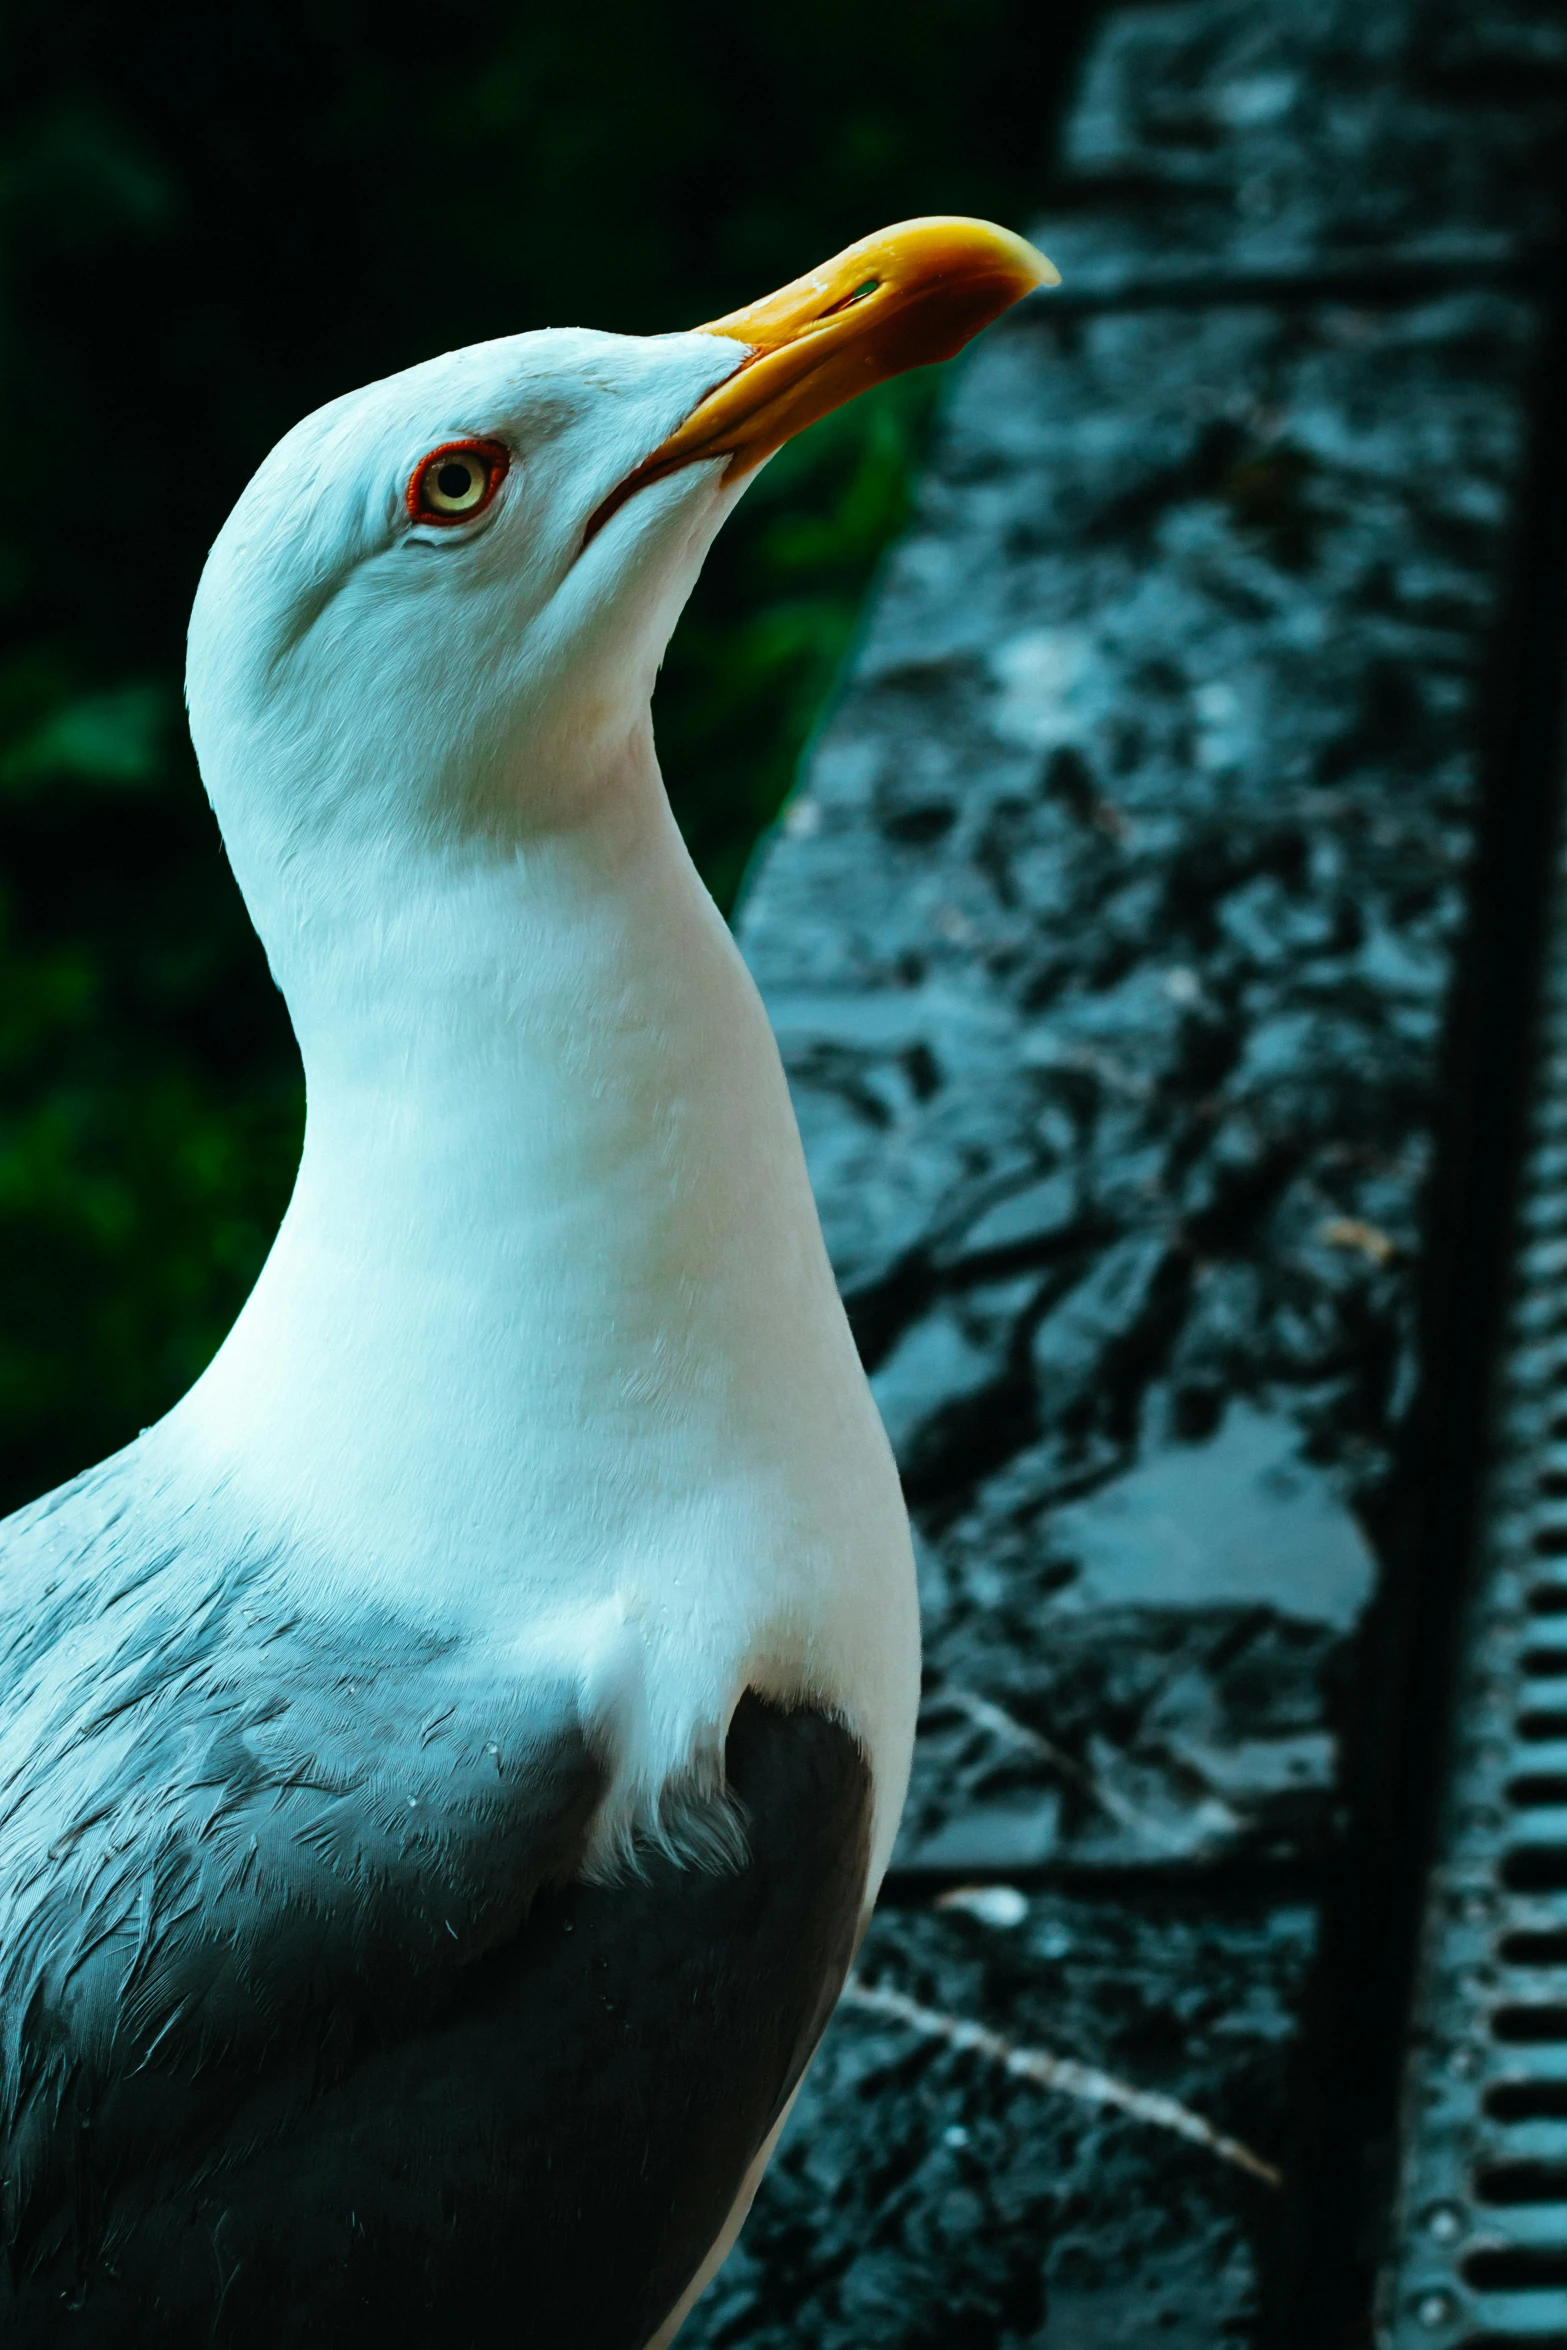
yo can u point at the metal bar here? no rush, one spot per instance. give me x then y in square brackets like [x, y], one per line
[1479, 2256]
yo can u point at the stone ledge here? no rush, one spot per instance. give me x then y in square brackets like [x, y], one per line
[1111, 940]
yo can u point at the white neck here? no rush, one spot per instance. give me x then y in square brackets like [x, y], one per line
[552, 1227]
[548, 1343]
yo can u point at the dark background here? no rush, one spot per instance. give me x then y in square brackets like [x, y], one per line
[210, 222]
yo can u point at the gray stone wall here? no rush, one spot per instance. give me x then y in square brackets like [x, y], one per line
[1111, 939]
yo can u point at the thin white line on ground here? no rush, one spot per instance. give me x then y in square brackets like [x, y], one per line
[1210, 1819]
[1062, 2073]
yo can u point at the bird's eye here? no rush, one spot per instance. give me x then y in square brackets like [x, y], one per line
[456, 481]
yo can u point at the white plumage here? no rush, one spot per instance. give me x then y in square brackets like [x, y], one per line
[542, 1436]
[548, 1345]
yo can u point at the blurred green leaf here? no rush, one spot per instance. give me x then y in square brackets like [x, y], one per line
[111, 738]
[75, 175]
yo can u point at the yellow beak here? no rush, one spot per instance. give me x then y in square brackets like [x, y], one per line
[902, 298]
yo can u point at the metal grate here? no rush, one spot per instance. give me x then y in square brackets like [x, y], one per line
[1480, 2258]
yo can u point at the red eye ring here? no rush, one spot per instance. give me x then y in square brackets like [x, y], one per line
[477, 469]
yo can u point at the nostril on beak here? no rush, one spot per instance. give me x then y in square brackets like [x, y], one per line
[872, 285]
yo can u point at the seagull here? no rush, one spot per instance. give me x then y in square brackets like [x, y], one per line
[446, 1764]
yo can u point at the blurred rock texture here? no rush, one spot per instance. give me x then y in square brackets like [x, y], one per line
[1111, 940]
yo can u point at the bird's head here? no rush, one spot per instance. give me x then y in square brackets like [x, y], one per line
[436, 614]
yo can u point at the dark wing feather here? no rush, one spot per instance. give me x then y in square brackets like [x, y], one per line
[305, 2034]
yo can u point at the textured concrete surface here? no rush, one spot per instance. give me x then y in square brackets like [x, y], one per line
[928, 2198]
[1111, 939]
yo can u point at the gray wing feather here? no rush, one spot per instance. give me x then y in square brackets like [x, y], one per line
[235, 1842]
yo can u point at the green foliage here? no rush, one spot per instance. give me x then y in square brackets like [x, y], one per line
[753, 660]
[210, 221]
